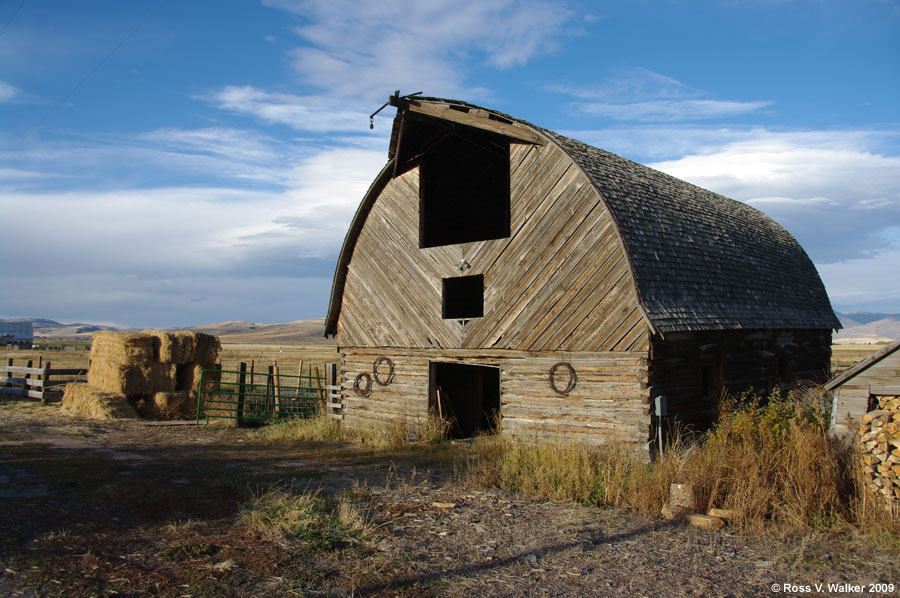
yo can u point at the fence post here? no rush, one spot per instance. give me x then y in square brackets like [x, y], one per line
[277, 387]
[25, 386]
[46, 378]
[270, 391]
[330, 380]
[9, 362]
[242, 381]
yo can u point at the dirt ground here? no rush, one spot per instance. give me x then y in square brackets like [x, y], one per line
[123, 508]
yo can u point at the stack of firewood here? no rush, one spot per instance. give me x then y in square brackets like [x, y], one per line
[879, 432]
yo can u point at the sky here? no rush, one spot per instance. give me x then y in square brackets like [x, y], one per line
[172, 163]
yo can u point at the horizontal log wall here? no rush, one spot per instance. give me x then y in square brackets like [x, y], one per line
[610, 400]
[749, 359]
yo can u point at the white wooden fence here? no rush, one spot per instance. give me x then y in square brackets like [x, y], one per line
[36, 382]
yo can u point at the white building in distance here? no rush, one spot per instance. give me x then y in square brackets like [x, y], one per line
[16, 333]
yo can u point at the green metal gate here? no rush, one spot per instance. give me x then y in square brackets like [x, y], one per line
[257, 397]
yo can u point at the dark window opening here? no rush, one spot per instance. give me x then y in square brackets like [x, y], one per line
[467, 396]
[464, 189]
[785, 369]
[463, 298]
[712, 380]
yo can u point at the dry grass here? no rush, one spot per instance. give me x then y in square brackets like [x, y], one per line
[309, 516]
[319, 428]
[770, 462]
[844, 356]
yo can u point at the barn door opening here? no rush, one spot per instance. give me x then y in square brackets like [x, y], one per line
[466, 395]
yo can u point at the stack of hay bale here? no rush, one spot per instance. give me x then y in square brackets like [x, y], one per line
[153, 374]
[879, 436]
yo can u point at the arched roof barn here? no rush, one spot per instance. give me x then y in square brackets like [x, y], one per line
[488, 240]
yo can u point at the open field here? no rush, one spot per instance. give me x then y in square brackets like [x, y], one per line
[102, 508]
[844, 356]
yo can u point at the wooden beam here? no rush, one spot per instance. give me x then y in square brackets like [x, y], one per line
[479, 119]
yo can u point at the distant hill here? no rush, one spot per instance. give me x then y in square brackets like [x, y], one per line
[300, 332]
[868, 327]
[52, 329]
[859, 328]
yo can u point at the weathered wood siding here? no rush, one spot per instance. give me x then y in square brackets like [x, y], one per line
[608, 403]
[560, 282]
[882, 377]
[745, 359]
[851, 400]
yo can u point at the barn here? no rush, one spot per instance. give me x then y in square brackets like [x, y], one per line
[509, 278]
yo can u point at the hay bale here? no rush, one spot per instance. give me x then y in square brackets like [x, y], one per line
[132, 380]
[187, 377]
[82, 399]
[164, 406]
[173, 347]
[172, 405]
[124, 348]
[206, 348]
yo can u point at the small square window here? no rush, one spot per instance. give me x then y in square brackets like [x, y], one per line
[463, 297]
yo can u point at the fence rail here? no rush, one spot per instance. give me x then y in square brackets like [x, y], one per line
[36, 382]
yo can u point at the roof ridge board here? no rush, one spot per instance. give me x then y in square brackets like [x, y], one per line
[863, 364]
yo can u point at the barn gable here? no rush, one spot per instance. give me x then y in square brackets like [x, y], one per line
[696, 260]
[558, 280]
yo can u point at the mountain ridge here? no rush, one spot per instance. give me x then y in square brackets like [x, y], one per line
[860, 327]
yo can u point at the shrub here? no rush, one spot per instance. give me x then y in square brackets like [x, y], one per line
[769, 460]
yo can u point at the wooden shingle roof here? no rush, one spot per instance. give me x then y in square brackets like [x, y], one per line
[703, 261]
[700, 261]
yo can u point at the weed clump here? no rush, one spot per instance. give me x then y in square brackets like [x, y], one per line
[770, 460]
[318, 428]
[323, 523]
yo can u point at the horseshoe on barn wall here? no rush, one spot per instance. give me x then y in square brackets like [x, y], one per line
[362, 385]
[390, 375]
[572, 377]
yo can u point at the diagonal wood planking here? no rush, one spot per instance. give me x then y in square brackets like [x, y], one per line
[560, 282]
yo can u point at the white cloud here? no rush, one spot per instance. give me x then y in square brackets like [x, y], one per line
[7, 92]
[193, 231]
[303, 113]
[366, 49]
[671, 110]
[170, 156]
[233, 144]
[828, 188]
[641, 95]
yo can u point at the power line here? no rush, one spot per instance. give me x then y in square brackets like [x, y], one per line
[29, 132]
[12, 17]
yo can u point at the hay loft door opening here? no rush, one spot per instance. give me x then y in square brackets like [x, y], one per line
[464, 189]
[469, 396]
